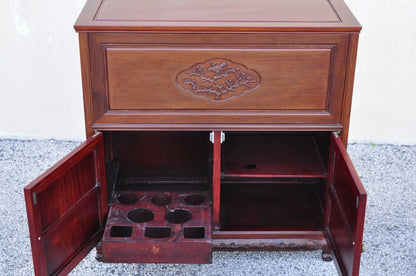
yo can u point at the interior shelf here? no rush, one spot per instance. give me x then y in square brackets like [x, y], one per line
[268, 155]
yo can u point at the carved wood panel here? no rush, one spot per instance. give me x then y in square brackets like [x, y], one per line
[218, 79]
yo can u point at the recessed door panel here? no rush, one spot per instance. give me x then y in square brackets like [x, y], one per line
[66, 209]
[346, 203]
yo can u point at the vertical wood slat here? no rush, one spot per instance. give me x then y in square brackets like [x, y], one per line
[86, 82]
[35, 232]
[100, 178]
[216, 180]
[331, 165]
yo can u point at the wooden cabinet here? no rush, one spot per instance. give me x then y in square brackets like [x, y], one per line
[210, 126]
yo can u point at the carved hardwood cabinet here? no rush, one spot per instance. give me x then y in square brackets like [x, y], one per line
[211, 125]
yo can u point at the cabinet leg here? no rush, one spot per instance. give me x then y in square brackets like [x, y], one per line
[99, 253]
[326, 255]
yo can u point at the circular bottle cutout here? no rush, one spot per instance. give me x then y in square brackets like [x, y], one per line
[178, 216]
[128, 199]
[194, 199]
[140, 215]
[161, 200]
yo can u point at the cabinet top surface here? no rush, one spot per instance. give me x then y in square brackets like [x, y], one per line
[216, 15]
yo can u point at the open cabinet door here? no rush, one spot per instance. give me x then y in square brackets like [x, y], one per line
[346, 201]
[66, 209]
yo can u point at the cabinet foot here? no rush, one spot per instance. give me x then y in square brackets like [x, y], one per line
[326, 255]
[99, 253]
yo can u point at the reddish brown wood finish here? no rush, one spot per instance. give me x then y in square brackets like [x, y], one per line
[66, 208]
[86, 83]
[302, 80]
[298, 77]
[349, 83]
[216, 180]
[158, 239]
[233, 15]
[345, 210]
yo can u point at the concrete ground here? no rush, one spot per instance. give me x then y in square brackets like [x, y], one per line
[387, 171]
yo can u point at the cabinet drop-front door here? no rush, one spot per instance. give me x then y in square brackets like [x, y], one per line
[345, 207]
[66, 208]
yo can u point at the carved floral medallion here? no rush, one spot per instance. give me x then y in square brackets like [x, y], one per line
[218, 79]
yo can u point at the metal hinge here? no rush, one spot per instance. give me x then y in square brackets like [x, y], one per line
[362, 246]
[357, 202]
[212, 139]
[35, 201]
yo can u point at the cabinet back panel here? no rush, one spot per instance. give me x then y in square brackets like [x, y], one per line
[275, 154]
[162, 154]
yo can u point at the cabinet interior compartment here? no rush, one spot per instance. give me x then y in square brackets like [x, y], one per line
[160, 201]
[151, 160]
[275, 155]
[163, 184]
[273, 181]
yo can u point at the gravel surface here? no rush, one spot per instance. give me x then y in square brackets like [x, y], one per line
[387, 171]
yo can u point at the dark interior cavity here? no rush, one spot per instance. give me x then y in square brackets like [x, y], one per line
[127, 199]
[121, 231]
[194, 199]
[178, 216]
[140, 215]
[161, 199]
[157, 232]
[194, 232]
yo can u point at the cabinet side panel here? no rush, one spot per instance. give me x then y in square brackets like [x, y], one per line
[86, 82]
[162, 154]
[348, 89]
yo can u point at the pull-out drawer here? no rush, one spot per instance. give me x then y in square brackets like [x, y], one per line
[158, 227]
[194, 79]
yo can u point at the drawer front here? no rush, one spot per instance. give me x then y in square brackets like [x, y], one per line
[286, 79]
[234, 79]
